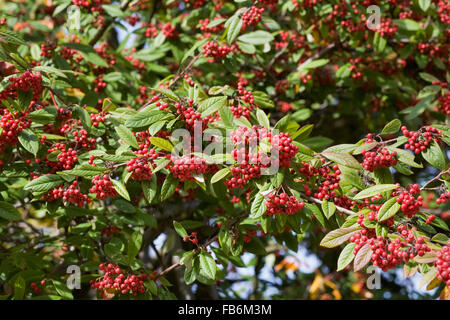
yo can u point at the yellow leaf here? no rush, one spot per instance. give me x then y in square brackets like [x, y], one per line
[445, 294]
[74, 92]
[316, 286]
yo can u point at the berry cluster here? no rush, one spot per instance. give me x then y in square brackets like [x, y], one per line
[12, 125]
[443, 264]
[444, 103]
[327, 178]
[82, 139]
[378, 157]
[282, 204]
[36, 288]
[212, 49]
[110, 230]
[169, 31]
[242, 174]
[188, 114]
[251, 17]
[283, 147]
[97, 119]
[66, 159]
[141, 167]
[388, 253]
[246, 95]
[192, 238]
[99, 84]
[409, 204]
[72, 195]
[26, 81]
[186, 167]
[386, 28]
[443, 197]
[420, 140]
[205, 22]
[103, 187]
[430, 218]
[115, 281]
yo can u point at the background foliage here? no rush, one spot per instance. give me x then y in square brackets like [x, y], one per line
[81, 101]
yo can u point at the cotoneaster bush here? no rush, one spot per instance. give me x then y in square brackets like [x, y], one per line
[93, 174]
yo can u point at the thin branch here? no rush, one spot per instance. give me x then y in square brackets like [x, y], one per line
[179, 75]
[338, 208]
[435, 178]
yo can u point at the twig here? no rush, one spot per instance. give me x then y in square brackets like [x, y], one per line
[338, 208]
[435, 178]
[179, 75]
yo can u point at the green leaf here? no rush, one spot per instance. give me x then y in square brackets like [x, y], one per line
[85, 170]
[150, 188]
[263, 100]
[338, 236]
[211, 105]
[168, 187]
[19, 288]
[180, 229]
[434, 156]
[258, 206]
[12, 37]
[407, 24]
[127, 135]
[428, 77]
[146, 118]
[9, 212]
[84, 116]
[134, 246]
[161, 143]
[207, 265]
[121, 189]
[219, 175]
[256, 37]
[313, 209]
[44, 183]
[392, 127]
[113, 10]
[328, 208]
[389, 209]
[262, 119]
[440, 238]
[190, 274]
[234, 28]
[41, 116]
[362, 257]
[314, 64]
[29, 141]
[427, 277]
[62, 290]
[346, 256]
[379, 42]
[343, 158]
[375, 190]
[424, 4]
[227, 117]
[167, 92]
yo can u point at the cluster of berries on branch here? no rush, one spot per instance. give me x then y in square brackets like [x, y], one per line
[420, 140]
[443, 264]
[282, 204]
[103, 187]
[114, 281]
[378, 157]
